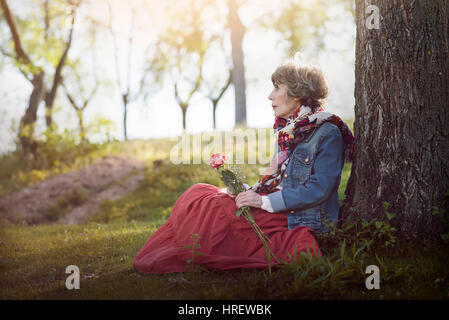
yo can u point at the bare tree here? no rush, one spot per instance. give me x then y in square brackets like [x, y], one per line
[215, 96]
[80, 107]
[214, 93]
[124, 86]
[181, 50]
[81, 81]
[81, 100]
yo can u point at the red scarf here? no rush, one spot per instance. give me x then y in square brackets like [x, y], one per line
[288, 141]
[302, 128]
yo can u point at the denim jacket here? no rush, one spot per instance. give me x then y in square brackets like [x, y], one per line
[312, 177]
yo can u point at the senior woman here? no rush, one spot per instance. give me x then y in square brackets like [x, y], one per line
[311, 156]
[295, 198]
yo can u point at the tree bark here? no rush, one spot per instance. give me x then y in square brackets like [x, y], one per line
[401, 123]
[238, 70]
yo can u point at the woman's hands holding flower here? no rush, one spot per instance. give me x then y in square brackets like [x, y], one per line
[244, 200]
[248, 198]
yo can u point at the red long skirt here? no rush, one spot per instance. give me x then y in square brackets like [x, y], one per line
[226, 241]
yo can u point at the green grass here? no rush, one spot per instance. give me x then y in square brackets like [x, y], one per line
[34, 258]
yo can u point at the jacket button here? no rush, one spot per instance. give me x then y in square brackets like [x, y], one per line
[307, 159]
[292, 211]
[285, 176]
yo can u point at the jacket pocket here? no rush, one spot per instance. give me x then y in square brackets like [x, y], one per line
[307, 218]
[302, 167]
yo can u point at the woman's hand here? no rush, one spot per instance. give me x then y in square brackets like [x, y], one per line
[248, 198]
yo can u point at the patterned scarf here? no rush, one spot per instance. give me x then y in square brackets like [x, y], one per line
[290, 133]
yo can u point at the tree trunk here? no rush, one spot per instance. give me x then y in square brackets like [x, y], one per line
[28, 120]
[238, 70]
[214, 112]
[125, 116]
[80, 114]
[125, 120]
[401, 123]
[184, 113]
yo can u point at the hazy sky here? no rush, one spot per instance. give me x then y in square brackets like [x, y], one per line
[160, 116]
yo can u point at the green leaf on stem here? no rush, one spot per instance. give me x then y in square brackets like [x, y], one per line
[238, 212]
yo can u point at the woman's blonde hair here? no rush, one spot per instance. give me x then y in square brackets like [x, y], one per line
[307, 83]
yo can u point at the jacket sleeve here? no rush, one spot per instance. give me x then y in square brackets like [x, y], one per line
[327, 170]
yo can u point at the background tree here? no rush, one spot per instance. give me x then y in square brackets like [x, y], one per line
[38, 56]
[181, 49]
[32, 73]
[130, 76]
[84, 93]
[237, 31]
[81, 80]
[401, 116]
[123, 83]
[219, 76]
[301, 23]
[214, 92]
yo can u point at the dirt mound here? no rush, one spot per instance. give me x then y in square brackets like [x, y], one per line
[72, 196]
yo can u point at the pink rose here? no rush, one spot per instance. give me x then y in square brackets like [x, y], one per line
[217, 160]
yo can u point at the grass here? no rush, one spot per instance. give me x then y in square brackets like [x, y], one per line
[34, 258]
[34, 261]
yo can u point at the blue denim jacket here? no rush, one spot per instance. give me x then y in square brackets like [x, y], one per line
[312, 177]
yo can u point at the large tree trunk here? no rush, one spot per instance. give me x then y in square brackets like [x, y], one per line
[238, 70]
[401, 116]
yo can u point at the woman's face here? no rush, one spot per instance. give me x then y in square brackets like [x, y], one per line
[281, 107]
